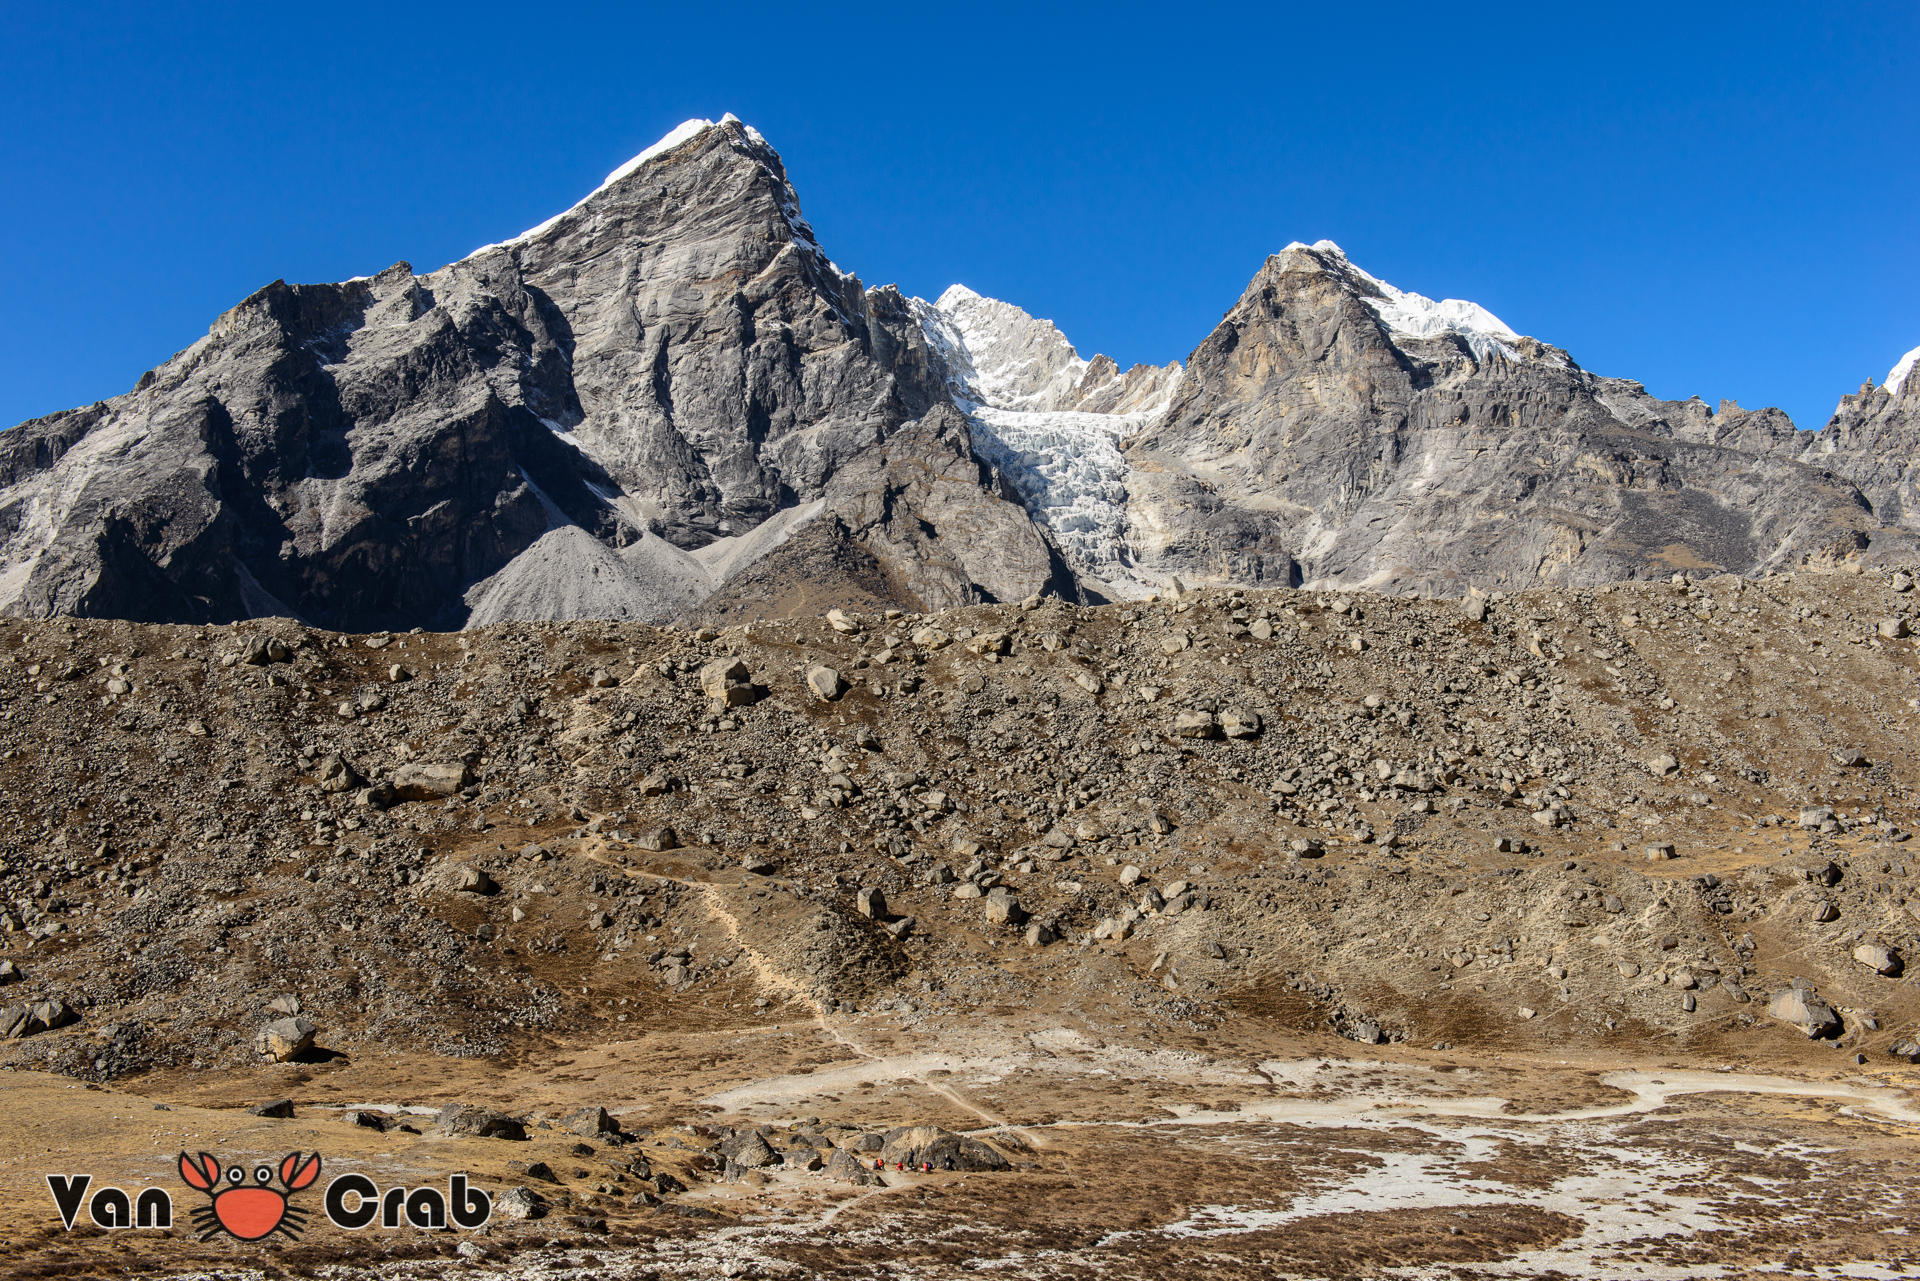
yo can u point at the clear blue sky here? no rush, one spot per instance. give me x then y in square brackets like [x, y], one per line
[1717, 200]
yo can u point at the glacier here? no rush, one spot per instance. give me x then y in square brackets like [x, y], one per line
[1028, 397]
[1016, 378]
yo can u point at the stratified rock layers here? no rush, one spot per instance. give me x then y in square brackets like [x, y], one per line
[649, 377]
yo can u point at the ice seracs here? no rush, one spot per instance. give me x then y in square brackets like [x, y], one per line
[1050, 422]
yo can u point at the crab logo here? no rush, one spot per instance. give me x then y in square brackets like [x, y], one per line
[248, 1208]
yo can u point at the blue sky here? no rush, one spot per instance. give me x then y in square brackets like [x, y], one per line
[1712, 199]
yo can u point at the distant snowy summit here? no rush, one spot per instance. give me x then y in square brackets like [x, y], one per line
[1413, 316]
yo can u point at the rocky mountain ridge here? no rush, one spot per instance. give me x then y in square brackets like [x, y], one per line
[667, 402]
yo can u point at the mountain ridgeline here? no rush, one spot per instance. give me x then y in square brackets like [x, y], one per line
[668, 404]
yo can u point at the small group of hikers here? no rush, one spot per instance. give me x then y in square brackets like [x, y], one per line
[924, 1167]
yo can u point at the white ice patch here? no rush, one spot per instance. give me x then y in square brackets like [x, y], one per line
[1071, 476]
[1897, 376]
[1416, 316]
[1006, 371]
[686, 131]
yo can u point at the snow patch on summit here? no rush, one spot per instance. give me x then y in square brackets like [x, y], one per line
[684, 132]
[1897, 376]
[1013, 360]
[1416, 316]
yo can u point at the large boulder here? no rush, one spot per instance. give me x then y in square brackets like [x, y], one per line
[913, 1144]
[750, 1151]
[18, 1021]
[1803, 1008]
[846, 1167]
[519, 1203]
[464, 1120]
[430, 781]
[726, 680]
[283, 1039]
[1879, 958]
[590, 1123]
[1196, 725]
[1238, 722]
[988, 642]
[1003, 908]
[336, 775]
[473, 880]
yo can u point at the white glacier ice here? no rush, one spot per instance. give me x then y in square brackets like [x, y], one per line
[1897, 376]
[1014, 376]
[1071, 476]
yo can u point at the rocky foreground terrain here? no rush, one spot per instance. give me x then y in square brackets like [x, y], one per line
[1243, 932]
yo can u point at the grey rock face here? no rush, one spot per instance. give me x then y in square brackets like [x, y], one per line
[1310, 437]
[667, 403]
[1873, 440]
[594, 419]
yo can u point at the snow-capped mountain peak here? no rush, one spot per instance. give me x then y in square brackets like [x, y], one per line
[684, 132]
[1015, 361]
[1411, 315]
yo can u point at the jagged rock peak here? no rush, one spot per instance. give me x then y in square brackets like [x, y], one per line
[664, 396]
[1412, 316]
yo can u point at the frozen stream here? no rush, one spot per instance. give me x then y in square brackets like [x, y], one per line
[1621, 1190]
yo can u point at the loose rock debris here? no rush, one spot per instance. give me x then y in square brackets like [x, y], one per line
[1017, 879]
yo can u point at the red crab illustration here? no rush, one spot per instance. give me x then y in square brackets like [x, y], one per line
[249, 1209]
